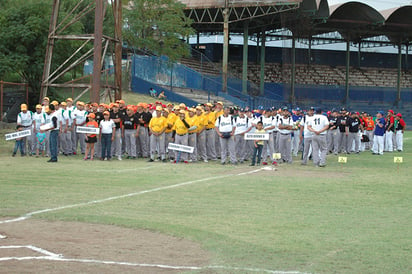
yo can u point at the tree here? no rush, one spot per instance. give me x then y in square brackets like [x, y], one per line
[157, 26]
[24, 28]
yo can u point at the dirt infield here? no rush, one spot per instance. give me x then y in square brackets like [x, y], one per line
[38, 246]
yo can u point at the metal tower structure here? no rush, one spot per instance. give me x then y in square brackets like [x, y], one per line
[85, 51]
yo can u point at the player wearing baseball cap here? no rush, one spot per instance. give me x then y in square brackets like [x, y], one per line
[157, 127]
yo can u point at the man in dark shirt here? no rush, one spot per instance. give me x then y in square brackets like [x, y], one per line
[142, 141]
[343, 136]
[116, 116]
[353, 124]
[333, 132]
[130, 131]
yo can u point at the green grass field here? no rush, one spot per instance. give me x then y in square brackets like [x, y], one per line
[345, 218]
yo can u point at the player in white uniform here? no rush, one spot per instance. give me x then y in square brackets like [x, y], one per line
[79, 119]
[319, 126]
[225, 128]
[243, 126]
[38, 120]
[269, 124]
[306, 135]
[25, 119]
[285, 125]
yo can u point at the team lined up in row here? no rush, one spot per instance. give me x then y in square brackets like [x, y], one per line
[145, 130]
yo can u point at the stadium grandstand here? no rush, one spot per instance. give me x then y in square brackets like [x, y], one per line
[254, 75]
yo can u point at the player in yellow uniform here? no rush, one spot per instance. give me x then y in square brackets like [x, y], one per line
[218, 112]
[201, 134]
[193, 122]
[169, 126]
[181, 130]
[157, 127]
[210, 132]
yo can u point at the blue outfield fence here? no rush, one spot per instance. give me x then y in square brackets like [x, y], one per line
[151, 71]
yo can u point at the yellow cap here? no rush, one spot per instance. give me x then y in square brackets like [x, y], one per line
[38, 106]
[23, 107]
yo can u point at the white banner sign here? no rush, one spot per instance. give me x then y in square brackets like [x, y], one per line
[181, 148]
[46, 127]
[257, 136]
[88, 130]
[18, 134]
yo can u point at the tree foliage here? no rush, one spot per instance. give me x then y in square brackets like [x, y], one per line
[157, 26]
[23, 32]
[24, 28]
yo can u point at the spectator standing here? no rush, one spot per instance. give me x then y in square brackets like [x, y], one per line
[107, 135]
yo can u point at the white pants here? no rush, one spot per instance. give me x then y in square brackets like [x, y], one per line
[378, 143]
[399, 140]
[388, 141]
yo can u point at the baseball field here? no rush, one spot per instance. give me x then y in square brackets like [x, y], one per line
[132, 216]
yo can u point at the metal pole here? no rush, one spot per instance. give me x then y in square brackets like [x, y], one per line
[245, 57]
[97, 59]
[117, 6]
[310, 51]
[347, 72]
[49, 50]
[406, 57]
[225, 48]
[293, 74]
[262, 63]
[398, 82]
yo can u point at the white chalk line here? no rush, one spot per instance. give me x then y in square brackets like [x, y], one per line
[30, 214]
[50, 256]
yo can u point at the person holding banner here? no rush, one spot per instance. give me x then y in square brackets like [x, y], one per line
[91, 138]
[25, 119]
[107, 135]
[181, 129]
[19, 145]
[258, 145]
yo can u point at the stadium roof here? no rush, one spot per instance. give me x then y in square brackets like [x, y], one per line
[353, 20]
